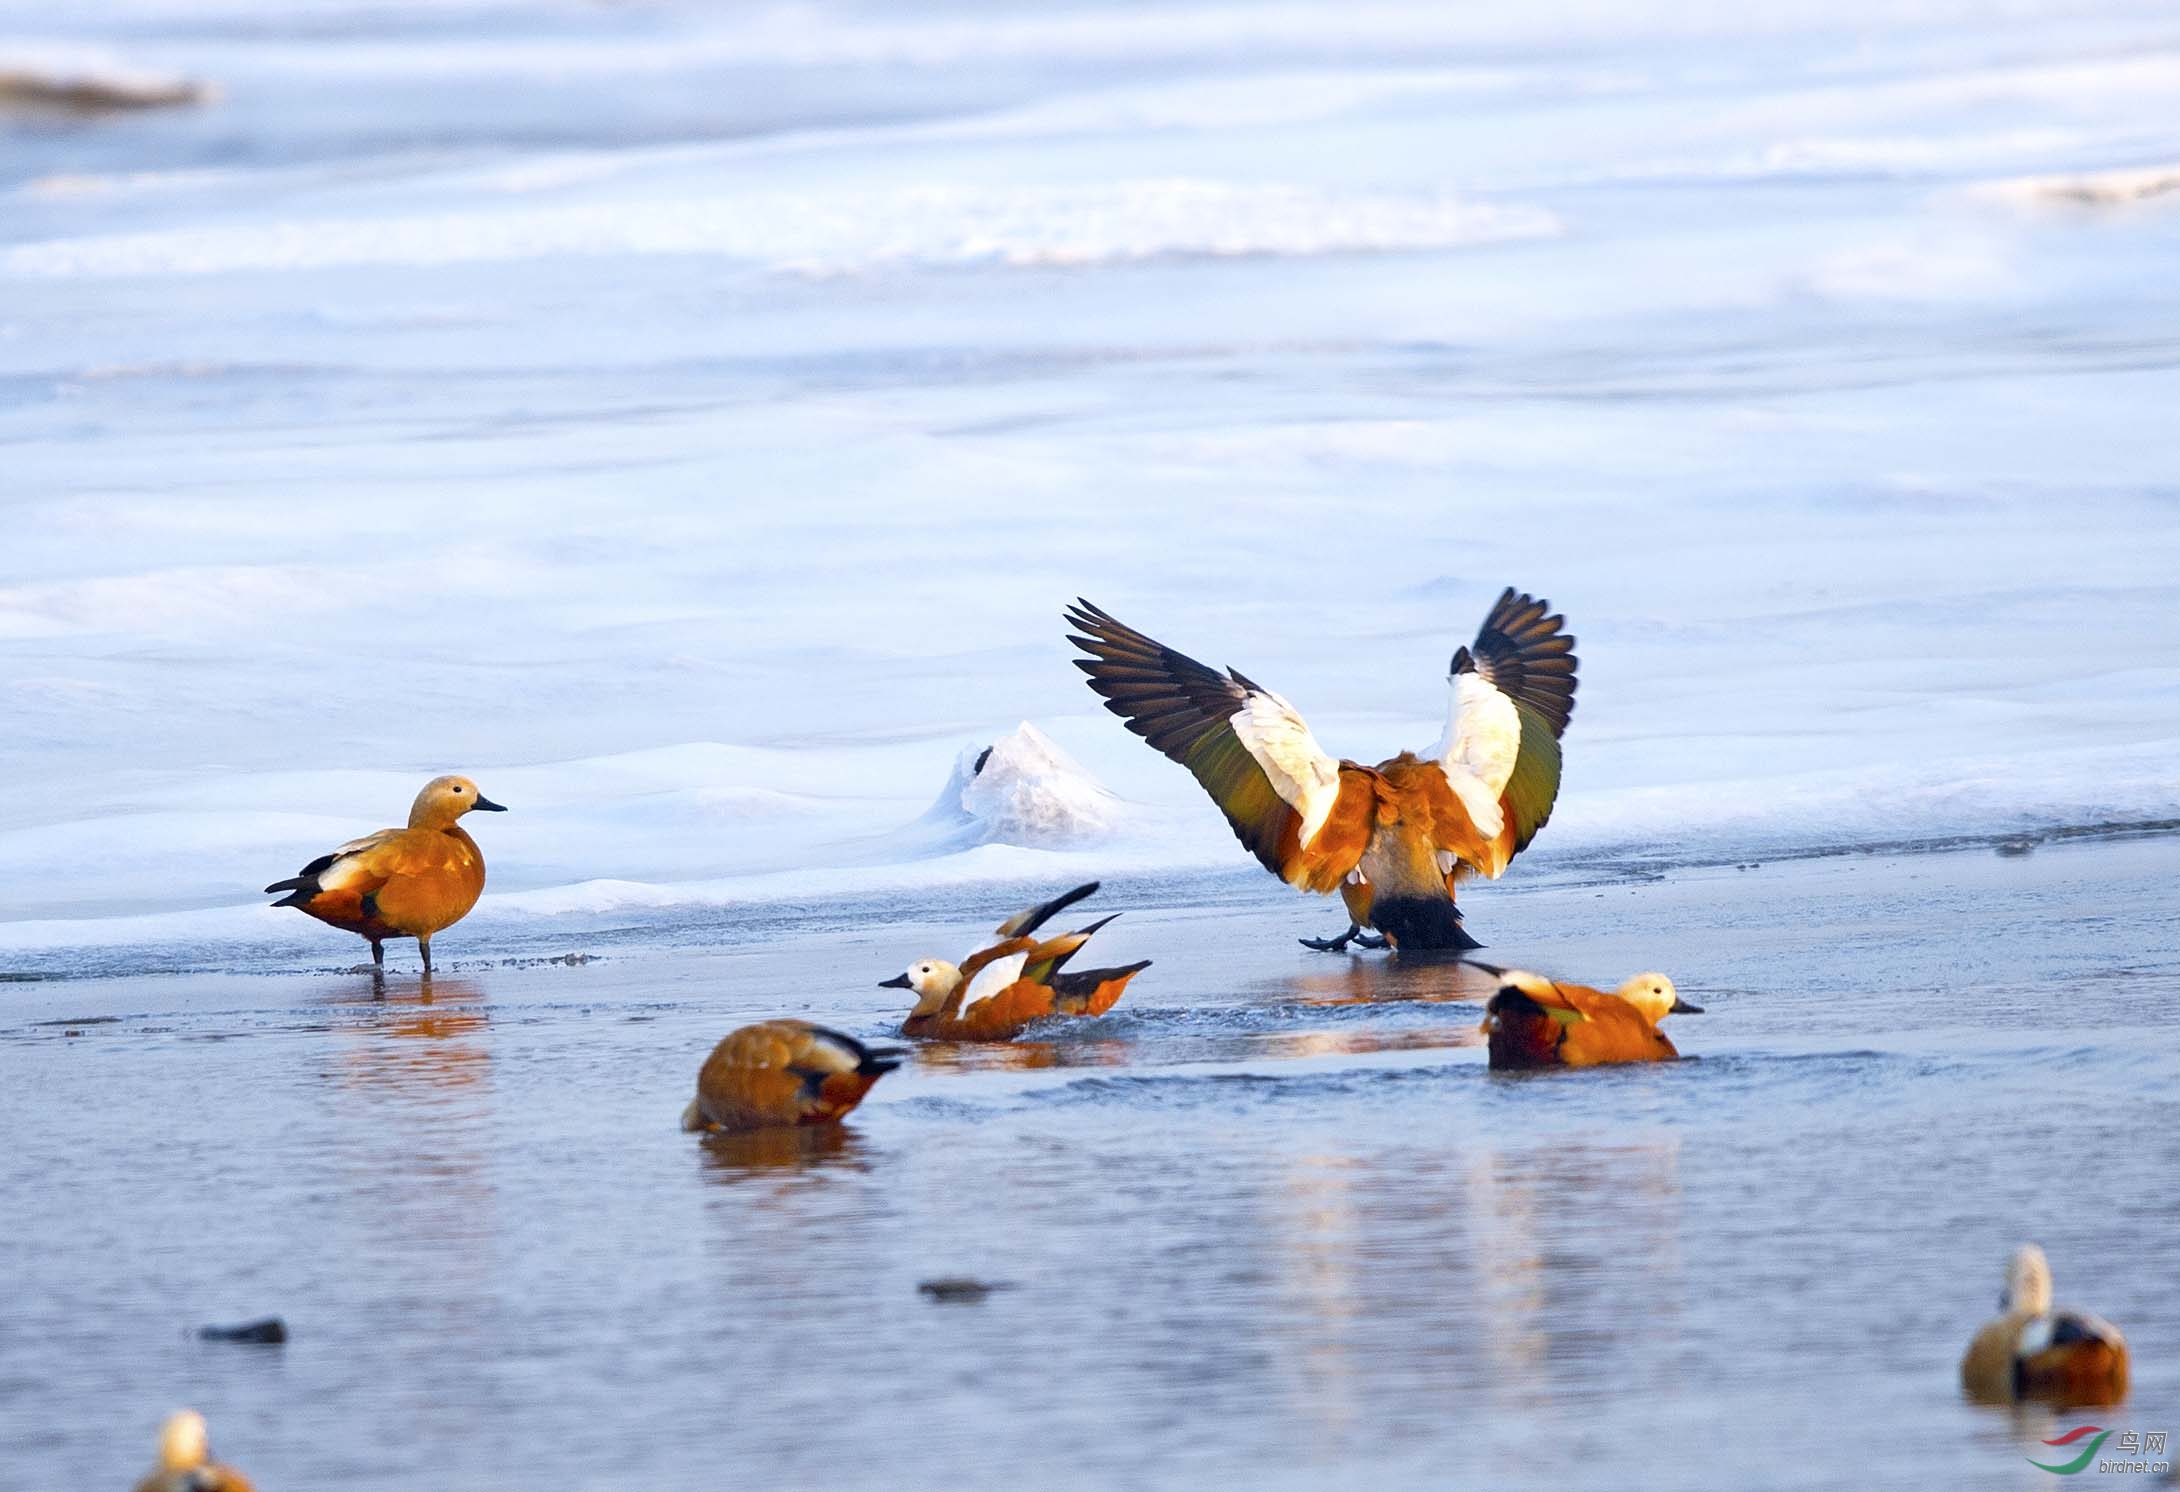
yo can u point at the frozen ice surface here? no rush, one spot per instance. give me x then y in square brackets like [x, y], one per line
[691, 423]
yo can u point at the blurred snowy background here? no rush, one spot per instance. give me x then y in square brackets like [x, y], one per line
[690, 420]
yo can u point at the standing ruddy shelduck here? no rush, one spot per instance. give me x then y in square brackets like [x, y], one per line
[400, 883]
[185, 1460]
[1533, 1022]
[2035, 1352]
[1001, 989]
[1391, 839]
[780, 1073]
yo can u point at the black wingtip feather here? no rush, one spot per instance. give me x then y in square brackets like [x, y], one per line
[1524, 649]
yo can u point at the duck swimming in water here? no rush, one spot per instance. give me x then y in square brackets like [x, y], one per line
[2035, 1352]
[1533, 1022]
[781, 1073]
[1001, 989]
[185, 1461]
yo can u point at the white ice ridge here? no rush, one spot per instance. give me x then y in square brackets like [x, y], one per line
[1023, 790]
[832, 232]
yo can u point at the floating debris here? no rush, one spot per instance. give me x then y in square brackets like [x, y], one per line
[960, 1291]
[267, 1331]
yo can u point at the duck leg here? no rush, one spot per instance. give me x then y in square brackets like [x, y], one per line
[1335, 945]
[378, 954]
[423, 946]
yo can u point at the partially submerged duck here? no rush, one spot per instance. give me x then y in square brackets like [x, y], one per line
[400, 883]
[1393, 839]
[781, 1073]
[1533, 1022]
[1001, 989]
[185, 1461]
[2035, 1352]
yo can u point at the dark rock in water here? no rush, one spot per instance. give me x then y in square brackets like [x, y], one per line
[269, 1331]
[959, 1291]
[2013, 847]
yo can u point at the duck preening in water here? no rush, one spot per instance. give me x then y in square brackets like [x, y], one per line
[185, 1461]
[400, 883]
[2035, 1352]
[999, 990]
[782, 1073]
[1534, 1022]
[1393, 839]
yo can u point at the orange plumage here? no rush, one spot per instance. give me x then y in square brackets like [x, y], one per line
[999, 990]
[1533, 1022]
[1393, 839]
[2057, 1356]
[400, 883]
[185, 1461]
[780, 1073]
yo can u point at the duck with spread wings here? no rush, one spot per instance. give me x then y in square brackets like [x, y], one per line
[1394, 839]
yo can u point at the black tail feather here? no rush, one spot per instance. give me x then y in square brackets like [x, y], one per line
[870, 1060]
[1085, 982]
[1025, 923]
[1419, 924]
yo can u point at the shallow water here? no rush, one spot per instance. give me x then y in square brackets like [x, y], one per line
[1271, 1221]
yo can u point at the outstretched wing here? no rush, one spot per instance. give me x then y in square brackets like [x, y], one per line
[1028, 921]
[1513, 694]
[1050, 956]
[1246, 745]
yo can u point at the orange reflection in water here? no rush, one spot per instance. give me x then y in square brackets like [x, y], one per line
[1366, 980]
[1019, 1056]
[422, 1043]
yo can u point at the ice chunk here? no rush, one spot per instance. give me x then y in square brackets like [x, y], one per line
[1022, 790]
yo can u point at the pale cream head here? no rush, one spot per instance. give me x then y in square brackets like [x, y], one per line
[183, 1444]
[1653, 995]
[2028, 1281]
[933, 979]
[445, 799]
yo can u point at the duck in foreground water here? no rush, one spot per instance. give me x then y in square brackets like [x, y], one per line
[2035, 1352]
[185, 1460]
[782, 1073]
[1001, 989]
[1533, 1022]
[1391, 839]
[400, 883]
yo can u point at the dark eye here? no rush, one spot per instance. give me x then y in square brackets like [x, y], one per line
[457, 792]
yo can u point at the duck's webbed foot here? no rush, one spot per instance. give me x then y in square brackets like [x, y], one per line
[1335, 945]
[1371, 940]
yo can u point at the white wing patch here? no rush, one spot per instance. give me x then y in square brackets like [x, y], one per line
[2035, 1335]
[992, 978]
[831, 1054]
[346, 867]
[1483, 733]
[1306, 779]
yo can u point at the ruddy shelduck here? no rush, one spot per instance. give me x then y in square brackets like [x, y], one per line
[1533, 1022]
[778, 1074]
[2035, 1352]
[400, 883]
[1393, 839]
[185, 1461]
[1001, 989]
